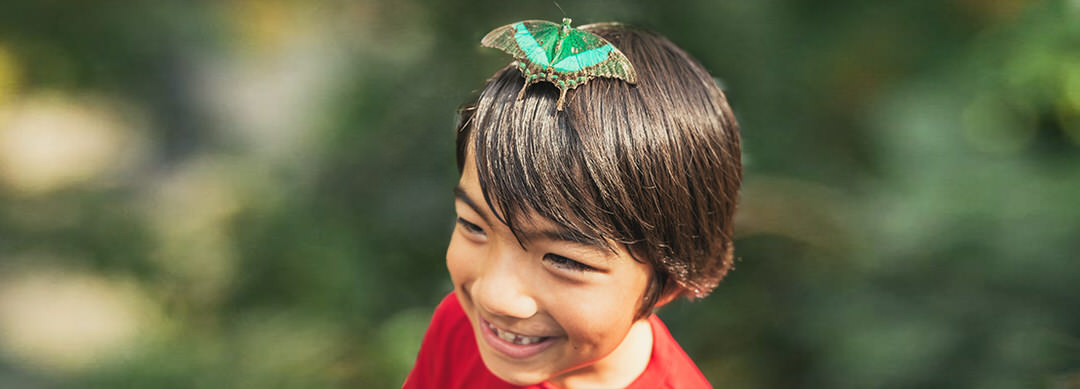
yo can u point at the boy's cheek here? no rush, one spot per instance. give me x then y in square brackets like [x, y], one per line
[600, 320]
[460, 259]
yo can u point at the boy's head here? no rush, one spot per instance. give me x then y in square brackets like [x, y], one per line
[625, 199]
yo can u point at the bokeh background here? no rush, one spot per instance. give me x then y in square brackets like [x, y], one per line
[256, 194]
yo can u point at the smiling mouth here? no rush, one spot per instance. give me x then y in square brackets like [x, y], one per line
[513, 345]
[517, 339]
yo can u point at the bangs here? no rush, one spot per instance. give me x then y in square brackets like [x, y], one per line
[531, 162]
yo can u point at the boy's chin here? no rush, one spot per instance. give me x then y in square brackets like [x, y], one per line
[519, 380]
[511, 374]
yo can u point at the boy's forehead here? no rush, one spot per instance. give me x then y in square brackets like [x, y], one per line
[469, 180]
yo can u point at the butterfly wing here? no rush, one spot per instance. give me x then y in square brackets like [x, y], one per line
[502, 38]
[583, 60]
[583, 51]
[533, 41]
[616, 66]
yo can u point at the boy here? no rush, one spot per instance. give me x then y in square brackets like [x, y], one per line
[574, 225]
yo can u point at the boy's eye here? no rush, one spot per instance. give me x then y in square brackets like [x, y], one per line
[470, 227]
[562, 262]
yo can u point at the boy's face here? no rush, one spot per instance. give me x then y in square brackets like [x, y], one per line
[547, 311]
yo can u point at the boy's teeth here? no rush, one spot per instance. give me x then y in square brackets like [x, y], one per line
[515, 338]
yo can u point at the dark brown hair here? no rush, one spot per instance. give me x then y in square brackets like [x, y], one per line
[654, 166]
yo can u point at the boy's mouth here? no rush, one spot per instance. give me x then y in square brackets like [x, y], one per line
[513, 345]
[517, 339]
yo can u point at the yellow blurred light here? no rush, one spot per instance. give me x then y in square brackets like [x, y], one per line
[264, 25]
[9, 75]
[1071, 84]
[270, 94]
[189, 212]
[52, 141]
[1068, 110]
[270, 343]
[62, 321]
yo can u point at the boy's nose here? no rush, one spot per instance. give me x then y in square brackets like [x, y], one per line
[501, 291]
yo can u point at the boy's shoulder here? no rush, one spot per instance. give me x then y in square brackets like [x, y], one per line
[669, 366]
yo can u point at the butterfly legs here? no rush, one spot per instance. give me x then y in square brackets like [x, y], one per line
[562, 98]
[559, 105]
[521, 94]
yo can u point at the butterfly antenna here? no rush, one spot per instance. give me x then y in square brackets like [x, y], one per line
[560, 8]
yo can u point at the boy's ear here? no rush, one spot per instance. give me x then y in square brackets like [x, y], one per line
[671, 293]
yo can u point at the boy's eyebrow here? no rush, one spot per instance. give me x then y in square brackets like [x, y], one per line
[460, 194]
[562, 235]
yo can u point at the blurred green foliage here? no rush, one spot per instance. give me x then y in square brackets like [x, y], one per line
[257, 193]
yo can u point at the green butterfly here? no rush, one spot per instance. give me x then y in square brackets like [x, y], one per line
[565, 56]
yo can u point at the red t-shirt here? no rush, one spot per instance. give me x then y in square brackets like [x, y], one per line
[449, 358]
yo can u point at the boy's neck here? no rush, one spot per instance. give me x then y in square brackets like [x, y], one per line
[619, 368]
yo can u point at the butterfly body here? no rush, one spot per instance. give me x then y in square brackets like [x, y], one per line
[560, 54]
